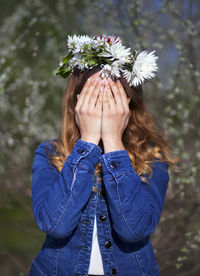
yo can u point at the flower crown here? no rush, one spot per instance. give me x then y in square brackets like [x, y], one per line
[85, 53]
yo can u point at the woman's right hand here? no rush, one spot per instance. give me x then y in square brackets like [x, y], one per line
[88, 110]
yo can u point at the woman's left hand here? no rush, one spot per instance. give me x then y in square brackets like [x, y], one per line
[115, 115]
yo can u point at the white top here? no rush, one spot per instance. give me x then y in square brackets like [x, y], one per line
[96, 264]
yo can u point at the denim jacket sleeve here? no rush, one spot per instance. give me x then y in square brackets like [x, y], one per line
[135, 207]
[59, 197]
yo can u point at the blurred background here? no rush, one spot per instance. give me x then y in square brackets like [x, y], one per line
[33, 36]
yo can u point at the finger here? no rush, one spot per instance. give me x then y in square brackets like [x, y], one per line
[125, 99]
[87, 89]
[105, 100]
[111, 101]
[102, 95]
[117, 95]
[87, 94]
[82, 94]
[100, 99]
[95, 94]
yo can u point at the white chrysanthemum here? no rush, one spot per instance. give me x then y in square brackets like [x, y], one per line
[103, 39]
[81, 64]
[76, 43]
[116, 51]
[72, 42]
[114, 39]
[109, 39]
[74, 61]
[143, 68]
[112, 70]
[100, 40]
[78, 61]
[129, 76]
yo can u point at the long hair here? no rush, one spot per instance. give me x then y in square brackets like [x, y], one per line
[143, 137]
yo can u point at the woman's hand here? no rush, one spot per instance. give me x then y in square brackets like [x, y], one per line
[88, 110]
[115, 115]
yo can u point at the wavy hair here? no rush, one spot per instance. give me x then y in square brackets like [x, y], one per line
[143, 137]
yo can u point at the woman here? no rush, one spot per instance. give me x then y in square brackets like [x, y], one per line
[90, 191]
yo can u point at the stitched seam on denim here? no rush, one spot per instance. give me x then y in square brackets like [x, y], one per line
[57, 258]
[84, 143]
[123, 213]
[79, 252]
[119, 153]
[48, 257]
[92, 149]
[114, 257]
[55, 224]
[76, 161]
[131, 169]
[89, 149]
[147, 249]
[131, 226]
[121, 171]
[61, 215]
[139, 263]
[74, 178]
[148, 255]
[147, 252]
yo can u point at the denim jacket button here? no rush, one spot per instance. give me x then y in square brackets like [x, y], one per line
[102, 193]
[108, 244]
[81, 151]
[113, 271]
[113, 164]
[102, 218]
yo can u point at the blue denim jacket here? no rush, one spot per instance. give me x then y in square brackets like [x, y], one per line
[127, 211]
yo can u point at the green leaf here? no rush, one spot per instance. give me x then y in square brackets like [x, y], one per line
[91, 62]
[63, 72]
[68, 57]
